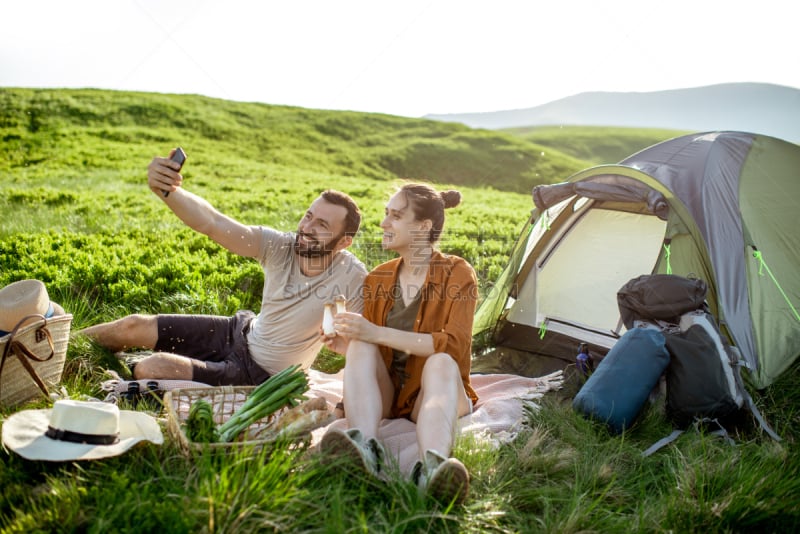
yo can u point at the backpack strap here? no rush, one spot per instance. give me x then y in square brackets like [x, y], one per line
[724, 435]
[748, 400]
[663, 442]
[757, 414]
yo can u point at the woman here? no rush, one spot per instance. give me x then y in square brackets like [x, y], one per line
[409, 354]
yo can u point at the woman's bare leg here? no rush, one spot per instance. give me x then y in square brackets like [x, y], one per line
[368, 389]
[441, 401]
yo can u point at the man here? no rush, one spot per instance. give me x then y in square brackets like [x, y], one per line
[302, 271]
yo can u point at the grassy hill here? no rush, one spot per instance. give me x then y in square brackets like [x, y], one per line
[90, 129]
[594, 144]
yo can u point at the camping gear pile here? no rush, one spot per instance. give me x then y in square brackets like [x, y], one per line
[719, 206]
[670, 332]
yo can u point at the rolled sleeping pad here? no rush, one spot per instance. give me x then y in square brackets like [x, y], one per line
[620, 385]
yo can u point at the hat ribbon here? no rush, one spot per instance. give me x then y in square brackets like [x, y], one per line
[77, 437]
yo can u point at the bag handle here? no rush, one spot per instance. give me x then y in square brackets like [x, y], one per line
[23, 353]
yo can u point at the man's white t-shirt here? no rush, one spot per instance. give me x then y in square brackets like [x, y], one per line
[286, 330]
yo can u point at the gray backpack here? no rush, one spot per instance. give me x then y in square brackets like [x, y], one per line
[704, 382]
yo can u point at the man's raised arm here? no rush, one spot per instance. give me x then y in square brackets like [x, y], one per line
[197, 213]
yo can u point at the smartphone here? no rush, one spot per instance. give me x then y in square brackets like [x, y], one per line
[179, 156]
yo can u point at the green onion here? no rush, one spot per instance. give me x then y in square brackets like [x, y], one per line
[282, 389]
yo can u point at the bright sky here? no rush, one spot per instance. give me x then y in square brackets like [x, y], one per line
[409, 57]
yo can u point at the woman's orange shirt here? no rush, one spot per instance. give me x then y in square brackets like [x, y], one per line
[448, 300]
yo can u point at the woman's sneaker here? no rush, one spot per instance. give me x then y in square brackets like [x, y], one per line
[445, 479]
[351, 447]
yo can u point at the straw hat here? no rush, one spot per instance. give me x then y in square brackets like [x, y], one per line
[21, 299]
[78, 430]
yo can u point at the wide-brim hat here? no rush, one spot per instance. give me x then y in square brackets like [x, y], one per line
[25, 298]
[78, 430]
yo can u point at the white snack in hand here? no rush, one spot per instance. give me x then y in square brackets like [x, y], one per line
[341, 304]
[327, 321]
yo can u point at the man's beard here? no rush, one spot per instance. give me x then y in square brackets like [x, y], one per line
[315, 249]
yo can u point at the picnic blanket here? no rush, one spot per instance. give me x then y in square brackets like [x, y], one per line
[497, 417]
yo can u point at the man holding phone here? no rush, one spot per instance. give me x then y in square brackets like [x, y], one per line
[303, 271]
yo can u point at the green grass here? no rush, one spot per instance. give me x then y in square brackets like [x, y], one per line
[78, 216]
[596, 144]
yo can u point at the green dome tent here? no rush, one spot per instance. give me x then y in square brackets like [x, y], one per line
[720, 206]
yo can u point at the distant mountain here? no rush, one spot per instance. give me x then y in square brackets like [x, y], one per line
[752, 107]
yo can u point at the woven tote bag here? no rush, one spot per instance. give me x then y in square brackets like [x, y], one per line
[32, 358]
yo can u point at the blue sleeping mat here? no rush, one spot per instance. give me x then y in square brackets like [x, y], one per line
[617, 390]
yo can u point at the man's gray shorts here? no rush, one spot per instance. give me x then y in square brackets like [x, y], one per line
[217, 346]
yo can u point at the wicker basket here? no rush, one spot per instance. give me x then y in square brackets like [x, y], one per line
[32, 359]
[225, 400]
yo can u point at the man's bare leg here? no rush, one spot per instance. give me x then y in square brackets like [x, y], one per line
[165, 366]
[140, 331]
[132, 331]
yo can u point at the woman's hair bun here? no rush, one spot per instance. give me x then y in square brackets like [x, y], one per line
[451, 198]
